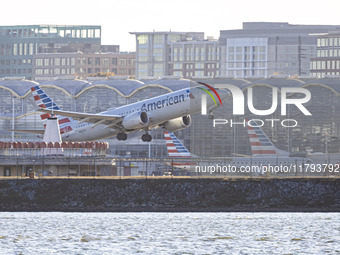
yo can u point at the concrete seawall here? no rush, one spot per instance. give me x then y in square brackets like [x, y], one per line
[173, 195]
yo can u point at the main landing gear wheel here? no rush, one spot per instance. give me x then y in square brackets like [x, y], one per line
[146, 138]
[122, 136]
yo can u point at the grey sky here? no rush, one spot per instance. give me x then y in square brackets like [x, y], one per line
[119, 17]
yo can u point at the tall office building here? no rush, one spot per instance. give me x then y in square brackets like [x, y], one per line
[18, 44]
[327, 61]
[184, 54]
[267, 48]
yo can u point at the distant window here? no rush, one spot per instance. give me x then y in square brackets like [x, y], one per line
[82, 61]
[39, 62]
[57, 61]
[142, 39]
[97, 33]
[38, 71]
[106, 61]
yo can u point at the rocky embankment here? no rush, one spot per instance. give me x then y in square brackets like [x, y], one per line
[170, 195]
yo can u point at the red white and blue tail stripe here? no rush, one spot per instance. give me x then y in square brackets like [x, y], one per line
[42, 100]
[259, 142]
[174, 146]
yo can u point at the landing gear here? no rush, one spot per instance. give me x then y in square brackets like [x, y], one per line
[122, 136]
[146, 138]
[211, 115]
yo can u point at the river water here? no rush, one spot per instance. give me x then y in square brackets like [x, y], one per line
[169, 233]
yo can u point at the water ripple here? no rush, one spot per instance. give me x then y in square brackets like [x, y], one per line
[169, 233]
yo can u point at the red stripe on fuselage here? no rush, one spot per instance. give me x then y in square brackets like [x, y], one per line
[63, 121]
[182, 164]
[180, 156]
[66, 129]
[263, 152]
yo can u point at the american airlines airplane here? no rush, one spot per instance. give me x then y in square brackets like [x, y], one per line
[170, 111]
[264, 153]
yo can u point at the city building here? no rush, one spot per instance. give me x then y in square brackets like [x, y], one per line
[261, 49]
[181, 54]
[19, 44]
[47, 66]
[327, 60]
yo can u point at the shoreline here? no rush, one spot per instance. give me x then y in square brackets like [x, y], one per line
[170, 195]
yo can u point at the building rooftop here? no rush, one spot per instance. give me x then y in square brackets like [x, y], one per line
[71, 86]
[127, 87]
[17, 87]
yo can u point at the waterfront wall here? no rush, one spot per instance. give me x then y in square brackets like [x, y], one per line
[177, 195]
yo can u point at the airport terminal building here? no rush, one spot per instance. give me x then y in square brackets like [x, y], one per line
[317, 133]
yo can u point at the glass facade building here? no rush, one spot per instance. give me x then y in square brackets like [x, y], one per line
[18, 44]
[262, 49]
[327, 61]
[81, 65]
[180, 54]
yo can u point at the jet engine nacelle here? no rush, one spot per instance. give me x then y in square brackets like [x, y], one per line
[136, 120]
[178, 123]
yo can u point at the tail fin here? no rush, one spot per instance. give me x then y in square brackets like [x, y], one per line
[42, 100]
[260, 144]
[174, 146]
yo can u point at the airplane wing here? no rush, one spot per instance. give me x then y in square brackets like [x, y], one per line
[242, 155]
[96, 119]
[33, 131]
